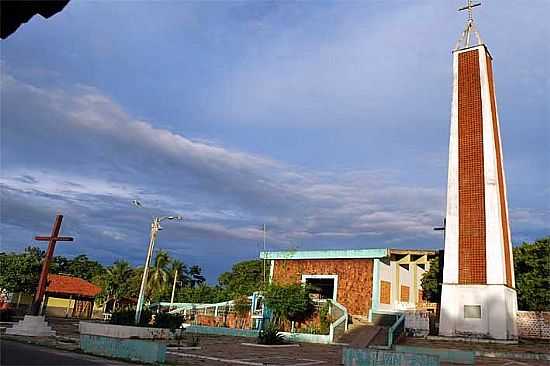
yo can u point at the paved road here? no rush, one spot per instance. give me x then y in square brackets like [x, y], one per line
[15, 353]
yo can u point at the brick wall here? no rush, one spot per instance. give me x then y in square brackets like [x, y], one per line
[354, 278]
[534, 324]
[471, 181]
[229, 321]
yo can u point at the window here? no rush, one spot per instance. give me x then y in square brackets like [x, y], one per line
[404, 297]
[385, 292]
[323, 287]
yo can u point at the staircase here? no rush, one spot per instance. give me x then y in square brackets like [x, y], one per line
[362, 333]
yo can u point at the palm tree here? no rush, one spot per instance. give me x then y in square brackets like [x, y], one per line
[116, 281]
[177, 265]
[195, 276]
[160, 276]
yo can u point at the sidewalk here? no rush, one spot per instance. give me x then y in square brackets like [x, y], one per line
[524, 350]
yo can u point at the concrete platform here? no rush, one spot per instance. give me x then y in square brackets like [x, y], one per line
[32, 326]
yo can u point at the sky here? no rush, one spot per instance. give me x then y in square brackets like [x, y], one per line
[326, 121]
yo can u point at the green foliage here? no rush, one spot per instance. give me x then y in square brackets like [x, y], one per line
[431, 288]
[324, 318]
[241, 305]
[244, 278]
[159, 277]
[127, 317]
[289, 302]
[201, 294]
[81, 266]
[195, 277]
[115, 281]
[167, 320]
[20, 272]
[532, 270]
[270, 334]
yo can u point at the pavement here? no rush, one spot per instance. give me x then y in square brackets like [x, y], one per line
[223, 350]
[17, 353]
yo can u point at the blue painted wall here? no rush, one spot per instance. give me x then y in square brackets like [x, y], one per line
[373, 357]
[128, 349]
[201, 329]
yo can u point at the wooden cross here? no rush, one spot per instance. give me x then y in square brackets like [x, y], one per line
[52, 239]
[469, 8]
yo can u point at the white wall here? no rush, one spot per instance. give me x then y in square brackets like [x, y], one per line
[498, 307]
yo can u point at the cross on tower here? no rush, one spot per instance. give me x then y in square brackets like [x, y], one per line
[464, 41]
[469, 8]
[52, 239]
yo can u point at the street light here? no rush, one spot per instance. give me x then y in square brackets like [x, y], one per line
[155, 227]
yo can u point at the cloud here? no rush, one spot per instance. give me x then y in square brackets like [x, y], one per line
[225, 194]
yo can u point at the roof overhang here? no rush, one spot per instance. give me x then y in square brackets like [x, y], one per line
[326, 254]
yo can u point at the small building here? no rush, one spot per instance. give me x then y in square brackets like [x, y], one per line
[362, 280]
[70, 297]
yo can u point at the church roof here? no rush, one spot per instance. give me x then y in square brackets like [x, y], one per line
[69, 285]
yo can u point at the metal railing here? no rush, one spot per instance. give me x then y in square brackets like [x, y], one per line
[340, 325]
[396, 330]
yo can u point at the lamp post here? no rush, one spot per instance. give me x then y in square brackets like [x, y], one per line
[155, 227]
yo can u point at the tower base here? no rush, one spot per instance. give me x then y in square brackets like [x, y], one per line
[478, 311]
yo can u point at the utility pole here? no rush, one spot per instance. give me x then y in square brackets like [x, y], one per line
[173, 290]
[264, 253]
[155, 226]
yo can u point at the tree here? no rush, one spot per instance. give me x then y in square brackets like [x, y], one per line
[195, 276]
[20, 272]
[431, 286]
[288, 302]
[159, 276]
[532, 270]
[201, 294]
[81, 266]
[115, 282]
[245, 278]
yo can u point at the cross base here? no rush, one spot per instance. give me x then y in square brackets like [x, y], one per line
[32, 326]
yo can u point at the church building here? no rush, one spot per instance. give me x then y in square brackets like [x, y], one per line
[364, 281]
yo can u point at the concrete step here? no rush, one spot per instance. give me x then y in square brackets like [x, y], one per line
[34, 326]
[362, 335]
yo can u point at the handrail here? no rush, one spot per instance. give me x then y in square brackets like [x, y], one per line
[337, 322]
[195, 306]
[400, 320]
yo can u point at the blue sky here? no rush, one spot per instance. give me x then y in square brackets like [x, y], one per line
[328, 121]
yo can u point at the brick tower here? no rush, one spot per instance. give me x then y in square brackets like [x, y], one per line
[478, 295]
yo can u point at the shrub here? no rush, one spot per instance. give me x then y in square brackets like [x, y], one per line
[270, 334]
[167, 320]
[127, 317]
[241, 306]
[290, 302]
[325, 318]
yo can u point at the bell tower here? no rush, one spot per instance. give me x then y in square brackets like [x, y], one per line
[478, 294]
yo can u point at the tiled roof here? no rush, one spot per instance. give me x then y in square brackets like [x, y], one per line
[69, 285]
